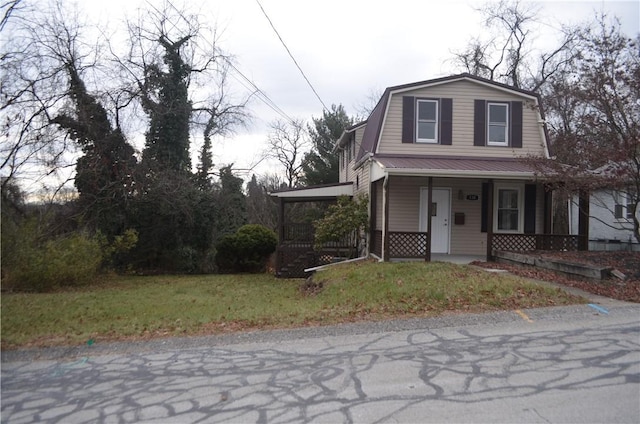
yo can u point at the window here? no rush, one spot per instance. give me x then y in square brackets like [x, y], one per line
[427, 122]
[624, 205]
[498, 124]
[508, 210]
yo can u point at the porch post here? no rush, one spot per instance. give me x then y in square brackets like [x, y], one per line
[385, 219]
[548, 210]
[427, 254]
[373, 207]
[280, 234]
[583, 220]
[489, 220]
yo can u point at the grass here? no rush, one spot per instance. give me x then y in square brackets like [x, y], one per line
[145, 307]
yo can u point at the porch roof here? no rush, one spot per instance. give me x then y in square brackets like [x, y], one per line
[451, 166]
[326, 191]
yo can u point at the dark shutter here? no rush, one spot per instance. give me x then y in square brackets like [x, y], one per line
[529, 208]
[617, 212]
[479, 123]
[446, 121]
[516, 124]
[408, 119]
[484, 207]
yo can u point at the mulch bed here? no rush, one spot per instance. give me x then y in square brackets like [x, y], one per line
[627, 289]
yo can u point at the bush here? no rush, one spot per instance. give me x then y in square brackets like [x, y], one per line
[71, 260]
[247, 250]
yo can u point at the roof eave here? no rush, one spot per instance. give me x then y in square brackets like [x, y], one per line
[460, 173]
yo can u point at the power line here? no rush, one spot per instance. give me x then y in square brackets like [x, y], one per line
[259, 93]
[291, 56]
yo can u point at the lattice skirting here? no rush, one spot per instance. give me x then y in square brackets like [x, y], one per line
[529, 242]
[407, 244]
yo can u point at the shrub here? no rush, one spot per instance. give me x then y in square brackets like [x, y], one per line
[64, 261]
[344, 219]
[247, 250]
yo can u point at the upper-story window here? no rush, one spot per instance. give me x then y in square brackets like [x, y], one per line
[427, 122]
[498, 124]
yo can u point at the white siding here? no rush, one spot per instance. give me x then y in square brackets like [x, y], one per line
[463, 94]
[602, 222]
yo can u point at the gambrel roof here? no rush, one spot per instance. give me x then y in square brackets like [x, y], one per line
[375, 121]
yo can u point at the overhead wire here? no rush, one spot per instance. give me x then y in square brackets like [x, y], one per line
[291, 56]
[260, 94]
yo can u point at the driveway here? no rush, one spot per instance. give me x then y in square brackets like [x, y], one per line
[564, 364]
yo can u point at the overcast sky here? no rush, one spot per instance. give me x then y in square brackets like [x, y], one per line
[349, 49]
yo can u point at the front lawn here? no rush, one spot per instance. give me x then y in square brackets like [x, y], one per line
[161, 306]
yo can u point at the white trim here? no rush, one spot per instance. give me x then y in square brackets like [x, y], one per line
[463, 78]
[433, 140]
[328, 191]
[383, 124]
[418, 172]
[377, 171]
[506, 127]
[520, 190]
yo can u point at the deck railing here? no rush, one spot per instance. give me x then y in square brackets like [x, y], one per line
[296, 252]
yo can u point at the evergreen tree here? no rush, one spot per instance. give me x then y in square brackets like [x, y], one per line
[321, 164]
[232, 207]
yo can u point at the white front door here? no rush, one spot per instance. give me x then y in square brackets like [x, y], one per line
[440, 217]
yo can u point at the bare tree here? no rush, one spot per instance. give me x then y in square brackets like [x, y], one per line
[287, 144]
[508, 54]
[32, 85]
[178, 73]
[595, 120]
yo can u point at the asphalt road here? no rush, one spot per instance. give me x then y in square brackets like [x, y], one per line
[560, 365]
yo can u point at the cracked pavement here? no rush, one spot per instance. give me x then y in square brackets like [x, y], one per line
[569, 364]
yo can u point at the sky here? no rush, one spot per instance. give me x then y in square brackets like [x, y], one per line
[349, 50]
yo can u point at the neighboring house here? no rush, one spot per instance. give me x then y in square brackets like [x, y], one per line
[610, 221]
[442, 163]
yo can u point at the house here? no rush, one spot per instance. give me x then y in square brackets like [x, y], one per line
[611, 209]
[441, 162]
[610, 221]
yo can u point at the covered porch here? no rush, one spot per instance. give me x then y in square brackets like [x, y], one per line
[425, 207]
[297, 209]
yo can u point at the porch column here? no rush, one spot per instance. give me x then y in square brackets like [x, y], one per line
[280, 234]
[427, 254]
[373, 207]
[548, 210]
[489, 220]
[385, 219]
[583, 220]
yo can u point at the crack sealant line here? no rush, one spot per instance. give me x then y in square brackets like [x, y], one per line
[523, 315]
[598, 308]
